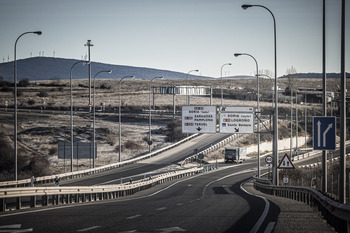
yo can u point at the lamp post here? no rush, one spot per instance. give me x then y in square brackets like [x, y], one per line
[187, 97]
[275, 120]
[71, 113]
[222, 93]
[15, 98]
[150, 121]
[93, 143]
[258, 103]
[120, 116]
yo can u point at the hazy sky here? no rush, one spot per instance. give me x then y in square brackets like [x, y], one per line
[177, 35]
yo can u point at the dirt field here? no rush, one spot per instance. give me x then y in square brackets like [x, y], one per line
[39, 132]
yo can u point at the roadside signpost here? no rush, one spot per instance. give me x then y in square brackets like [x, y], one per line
[324, 133]
[237, 120]
[198, 119]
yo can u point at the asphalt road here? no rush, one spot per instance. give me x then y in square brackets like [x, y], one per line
[212, 202]
[165, 159]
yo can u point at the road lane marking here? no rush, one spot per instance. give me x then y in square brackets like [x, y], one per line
[264, 214]
[14, 226]
[135, 216]
[171, 229]
[88, 229]
[161, 208]
[108, 201]
[269, 227]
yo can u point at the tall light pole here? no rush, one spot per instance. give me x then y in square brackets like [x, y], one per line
[71, 113]
[150, 121]
[120, 115]
[15, 98]
[187, 97]
[257, 102]
[88, 44]
[94, 128]
[275, 120]
[222, 93]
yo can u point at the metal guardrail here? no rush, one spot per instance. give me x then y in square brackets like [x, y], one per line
[71, 175]
[336, 214]
[31, 197]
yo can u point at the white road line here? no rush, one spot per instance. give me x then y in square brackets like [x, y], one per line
[14, 226]
[161, 208]
[88, 229]
[135, 216]
[269, 227]
[264, 214]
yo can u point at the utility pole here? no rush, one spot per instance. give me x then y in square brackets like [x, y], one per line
[88, 44]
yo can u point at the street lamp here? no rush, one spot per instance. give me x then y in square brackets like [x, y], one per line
[15, 98]
[71, 112]
[120, 116]
[222, 94]
[275, 120]
[187, 97]
[258, 105]
[93, 143]
[150, 122]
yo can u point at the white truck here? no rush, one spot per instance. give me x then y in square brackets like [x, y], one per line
[235, 154]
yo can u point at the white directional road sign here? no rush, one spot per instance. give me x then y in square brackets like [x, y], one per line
[324, 133]
[236, 120]
[198, 119]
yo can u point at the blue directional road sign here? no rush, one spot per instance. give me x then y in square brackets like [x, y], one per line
[324, 133]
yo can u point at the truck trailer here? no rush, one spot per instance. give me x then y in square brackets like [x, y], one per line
[235, 154]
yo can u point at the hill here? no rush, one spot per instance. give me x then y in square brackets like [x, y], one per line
[47, 68]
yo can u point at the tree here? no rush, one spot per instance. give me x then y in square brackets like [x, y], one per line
[292, 80]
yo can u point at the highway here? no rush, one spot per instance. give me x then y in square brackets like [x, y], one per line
[211, 202]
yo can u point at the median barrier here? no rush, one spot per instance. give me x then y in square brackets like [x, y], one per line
[77, 174]
[336, 214]
[30, 197]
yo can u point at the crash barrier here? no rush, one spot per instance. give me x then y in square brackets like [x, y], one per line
[196, 156]
[77, 174]
[336, 214]
[31, 197]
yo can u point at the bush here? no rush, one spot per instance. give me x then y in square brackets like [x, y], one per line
[31, 102]
[23, 83]
[105, 86]
[53, 150]
[174, 131]
[43, 94]
[132, 145]
[38, 166]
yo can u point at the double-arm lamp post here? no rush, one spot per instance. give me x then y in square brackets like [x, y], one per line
[187, 96]
[258, 105]
[222, 92]
[15, 98]
[120, 116]
[71, 113]
[150, 121]
[275, 119]
[94, 136]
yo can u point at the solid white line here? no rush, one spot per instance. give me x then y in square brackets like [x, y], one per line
[269, 227]
[264, 214]
[88, 229]
[161, 208]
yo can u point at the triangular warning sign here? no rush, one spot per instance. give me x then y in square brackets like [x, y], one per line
[286, 163]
